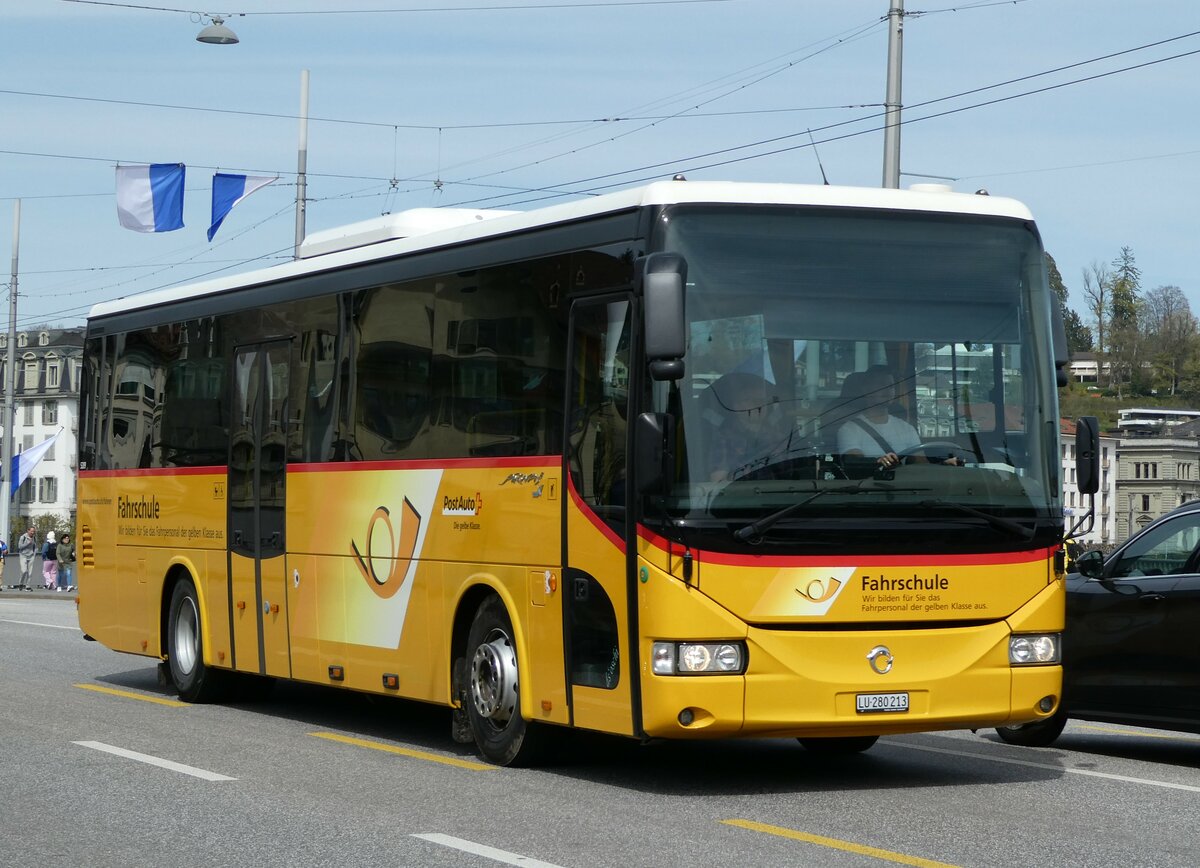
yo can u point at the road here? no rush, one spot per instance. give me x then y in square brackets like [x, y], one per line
[100, 766]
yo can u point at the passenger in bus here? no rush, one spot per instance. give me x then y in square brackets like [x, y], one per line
[874, 432]
[745, 424]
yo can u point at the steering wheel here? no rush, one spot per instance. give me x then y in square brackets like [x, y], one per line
[957, 450]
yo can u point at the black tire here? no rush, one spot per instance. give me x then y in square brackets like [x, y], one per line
[843, 745]
[493, 695]
[1042, 733]
[185, 649]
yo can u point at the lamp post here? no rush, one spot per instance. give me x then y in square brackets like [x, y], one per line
[10, 381]
[891, 113]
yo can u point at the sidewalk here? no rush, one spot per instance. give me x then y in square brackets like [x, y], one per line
[37, 592]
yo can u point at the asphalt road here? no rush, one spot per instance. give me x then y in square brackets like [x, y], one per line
[100, 766]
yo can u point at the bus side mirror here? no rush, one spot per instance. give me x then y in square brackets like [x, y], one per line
[664, 276]
[654, 453]
[1087, 454]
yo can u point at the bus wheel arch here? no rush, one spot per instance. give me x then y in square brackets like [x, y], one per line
[487, 683]
[184, 641]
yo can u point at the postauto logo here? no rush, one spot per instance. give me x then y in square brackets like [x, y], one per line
[462, 504]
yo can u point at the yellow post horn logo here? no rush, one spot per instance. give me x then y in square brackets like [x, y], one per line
[818, 591]
[399, 552]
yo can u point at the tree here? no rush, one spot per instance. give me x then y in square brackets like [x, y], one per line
[1171, 329]
[1079, 336]
[1126, 342]
[1097, 289]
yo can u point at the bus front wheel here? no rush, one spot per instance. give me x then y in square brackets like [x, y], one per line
[1041, 733]
[493, 695]
[194, 681]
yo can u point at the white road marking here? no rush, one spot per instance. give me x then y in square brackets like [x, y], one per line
[1050, 766]
[154, 761]
[485, 851]
[36, 624]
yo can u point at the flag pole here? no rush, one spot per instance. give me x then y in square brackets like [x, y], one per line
[10, 376]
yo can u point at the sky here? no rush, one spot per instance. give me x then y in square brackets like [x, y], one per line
[1085, 110]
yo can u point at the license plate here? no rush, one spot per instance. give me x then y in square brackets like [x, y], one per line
[865, 703]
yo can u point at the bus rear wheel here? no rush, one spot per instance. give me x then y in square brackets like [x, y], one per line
[194, 681]
[493, 696]
[844, 745]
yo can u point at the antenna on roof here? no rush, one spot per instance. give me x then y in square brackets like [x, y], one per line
[818, 156]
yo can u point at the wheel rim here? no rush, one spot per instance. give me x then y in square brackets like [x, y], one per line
[494, 679]
[187, 636]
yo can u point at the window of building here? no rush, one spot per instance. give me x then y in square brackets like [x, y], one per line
[50, 413]
[31, 376]
[28, 413]
[22, 340]
[1145, 503]
[26, 491]
[43, 339]
[52, 375]
[48, 489]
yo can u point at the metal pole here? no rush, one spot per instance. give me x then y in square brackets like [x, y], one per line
[10, 382]
[301, 162]
[891, 130]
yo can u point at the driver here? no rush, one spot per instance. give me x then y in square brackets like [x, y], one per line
[874, 432]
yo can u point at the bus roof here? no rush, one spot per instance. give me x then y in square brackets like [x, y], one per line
[404, 234]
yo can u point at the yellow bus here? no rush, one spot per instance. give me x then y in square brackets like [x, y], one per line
[604, 465]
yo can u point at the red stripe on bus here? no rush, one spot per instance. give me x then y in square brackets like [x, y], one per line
[156, 471]
[598, 522]
[799, 561]
[343, 466]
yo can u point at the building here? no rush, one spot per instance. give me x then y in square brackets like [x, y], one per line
[1156, 475]
[45, 401]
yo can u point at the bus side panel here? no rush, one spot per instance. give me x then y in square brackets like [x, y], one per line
[214, 590]
[245, 613]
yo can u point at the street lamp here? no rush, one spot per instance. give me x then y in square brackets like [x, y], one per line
[217, 33]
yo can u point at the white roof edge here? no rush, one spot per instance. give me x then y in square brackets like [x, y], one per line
[657, 193]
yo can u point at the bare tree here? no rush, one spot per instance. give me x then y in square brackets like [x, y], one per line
[1097, 289]
[1171, 327]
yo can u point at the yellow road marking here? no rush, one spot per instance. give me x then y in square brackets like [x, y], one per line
[1112, 730]
[835, 844]
[129, 695]
[404, 751]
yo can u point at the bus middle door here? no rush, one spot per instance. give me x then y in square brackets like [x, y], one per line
[257, 475]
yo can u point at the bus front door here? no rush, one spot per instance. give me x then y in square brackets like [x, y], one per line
[257, 473]
[595, 580]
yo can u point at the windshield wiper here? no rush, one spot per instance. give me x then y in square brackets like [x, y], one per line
[1006, 524]
[753, 532]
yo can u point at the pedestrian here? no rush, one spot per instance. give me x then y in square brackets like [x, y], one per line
[3, 555]
[50, 563]
[26, 549]
[66, 563]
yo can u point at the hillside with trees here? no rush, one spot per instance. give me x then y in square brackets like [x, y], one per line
[1146, 341]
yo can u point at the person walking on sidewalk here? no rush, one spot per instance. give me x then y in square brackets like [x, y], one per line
[3, 555]
[66, 563]
[26, 549]
[50, 563]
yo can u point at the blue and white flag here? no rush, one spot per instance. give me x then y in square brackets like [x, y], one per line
[150, 198]
[228, 190]
[24, 462]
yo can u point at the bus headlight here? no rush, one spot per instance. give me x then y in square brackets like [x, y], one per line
[1035, 649]
[698, 658]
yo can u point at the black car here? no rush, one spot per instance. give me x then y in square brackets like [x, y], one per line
[1132, 643]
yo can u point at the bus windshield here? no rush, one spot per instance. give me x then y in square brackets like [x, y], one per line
[847, 369]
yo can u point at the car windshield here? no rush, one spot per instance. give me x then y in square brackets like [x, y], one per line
[823, 343]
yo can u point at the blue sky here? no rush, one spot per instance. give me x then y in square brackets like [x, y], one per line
[506, 107]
